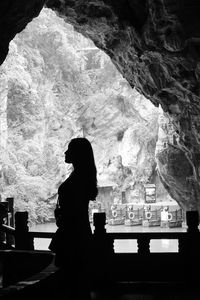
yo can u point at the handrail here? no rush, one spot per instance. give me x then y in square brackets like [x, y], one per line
[112, 235]
[24, 239]
[138, 236]
[41, 234]
[142, 265]
[32, 234]
[150, 235]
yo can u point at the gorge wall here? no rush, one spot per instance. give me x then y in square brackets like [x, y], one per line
[56, 85]
[155, 46]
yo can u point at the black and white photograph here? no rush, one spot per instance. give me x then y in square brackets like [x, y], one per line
[99, 149]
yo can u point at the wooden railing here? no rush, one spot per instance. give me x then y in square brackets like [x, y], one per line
[12, 240]
[19, 237]
[144, 238]
[111, 266]
[145, 265]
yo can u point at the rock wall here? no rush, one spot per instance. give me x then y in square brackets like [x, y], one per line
[55, 85]
[155, 45]
[175, 165]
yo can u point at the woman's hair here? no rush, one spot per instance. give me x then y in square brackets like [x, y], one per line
[83, 153]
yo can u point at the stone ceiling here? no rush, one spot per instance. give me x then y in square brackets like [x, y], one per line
[155, 44]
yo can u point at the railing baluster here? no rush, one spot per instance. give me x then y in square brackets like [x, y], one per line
[103, 249]
[192, 221]
[3, 214]
[10, 217]
[10, 240]
[101, 239]
[190, 243]
[143, 244]
[23, 240]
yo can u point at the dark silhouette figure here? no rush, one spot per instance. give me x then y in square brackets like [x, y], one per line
[72, 242]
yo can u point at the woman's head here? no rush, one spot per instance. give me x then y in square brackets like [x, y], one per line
[80, 154]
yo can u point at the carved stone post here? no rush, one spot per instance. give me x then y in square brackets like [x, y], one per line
[23, 241]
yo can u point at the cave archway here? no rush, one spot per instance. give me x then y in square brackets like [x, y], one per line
[155, 46]
[58, 85]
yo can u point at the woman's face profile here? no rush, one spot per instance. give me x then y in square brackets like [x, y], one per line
[68, 155]
[77, 153]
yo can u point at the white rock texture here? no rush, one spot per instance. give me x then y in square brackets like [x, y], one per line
[51, 91]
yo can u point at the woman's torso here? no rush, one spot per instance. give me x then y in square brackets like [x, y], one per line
[73, 201]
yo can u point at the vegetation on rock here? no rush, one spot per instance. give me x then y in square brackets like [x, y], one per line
[57, 85]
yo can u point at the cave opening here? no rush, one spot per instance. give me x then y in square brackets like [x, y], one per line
[57, 85]
[154, 45]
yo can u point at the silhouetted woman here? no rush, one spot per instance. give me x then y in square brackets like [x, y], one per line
[72, 242]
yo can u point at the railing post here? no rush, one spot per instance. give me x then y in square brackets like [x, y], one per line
[10, 219]
[23, 241]
[190, 245]
[103, 249]
[3, 215]
[101, 240]
[99, 221]
[10, 240]
[192, 221]
[143, 244]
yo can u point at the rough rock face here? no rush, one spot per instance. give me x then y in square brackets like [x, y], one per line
[56, 85]
[155, 45]
[14, 16]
